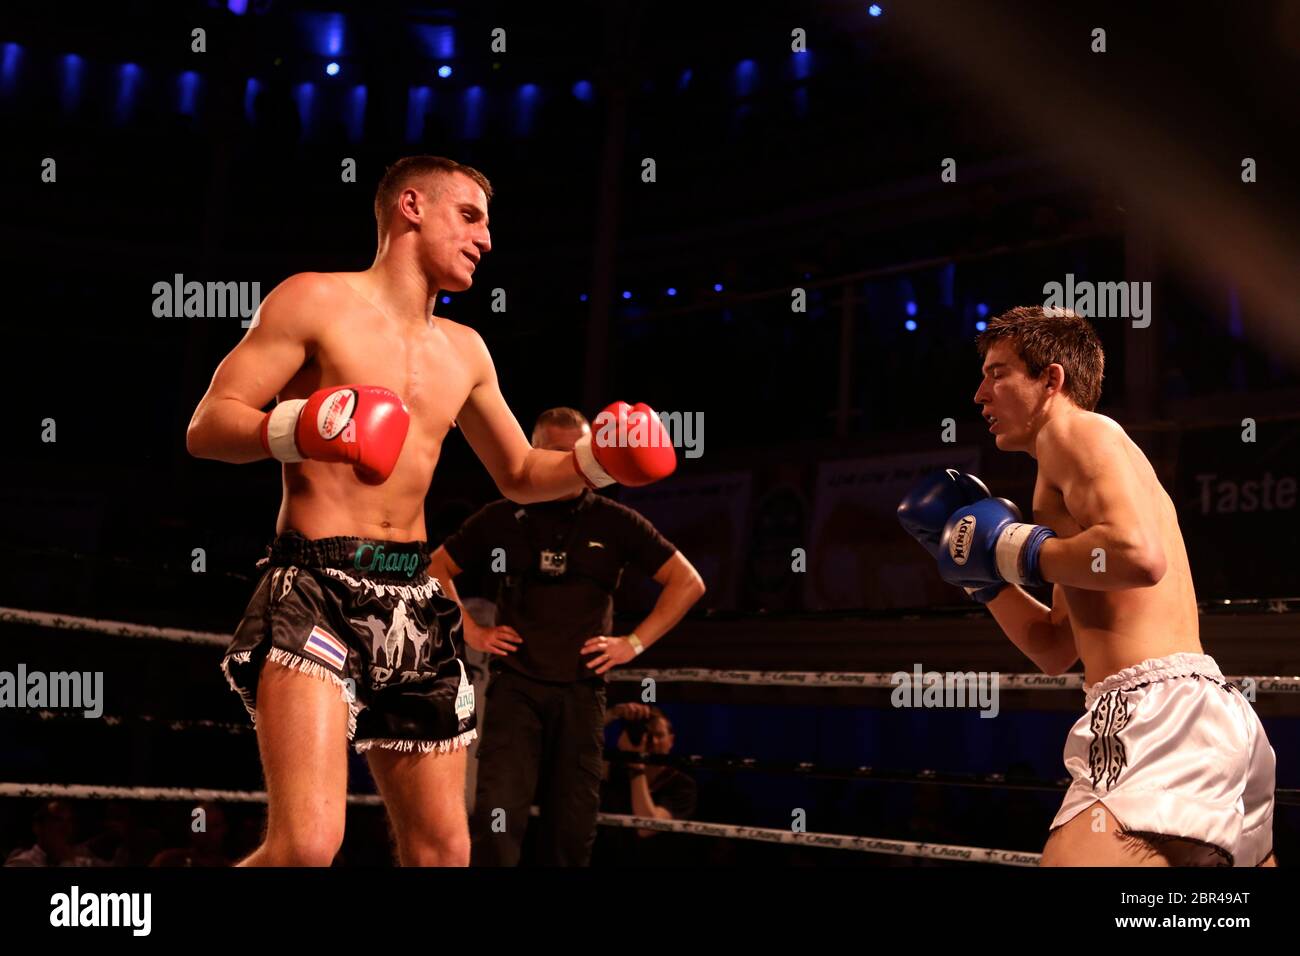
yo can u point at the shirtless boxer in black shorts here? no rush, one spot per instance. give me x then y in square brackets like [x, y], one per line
[346, 636]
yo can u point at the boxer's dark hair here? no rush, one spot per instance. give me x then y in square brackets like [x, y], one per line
[406, 171]
[1042, 337]
[562, 417]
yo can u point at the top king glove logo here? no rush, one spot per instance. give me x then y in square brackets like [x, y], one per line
[335, 412]
[959, 543]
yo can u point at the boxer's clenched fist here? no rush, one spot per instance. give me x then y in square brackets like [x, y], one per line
[361, 425]
[628, 446]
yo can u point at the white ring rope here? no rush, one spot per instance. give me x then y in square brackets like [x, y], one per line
[79, 791]
[1274, 684]
[13, 615]
[944, 851]
[880, 845]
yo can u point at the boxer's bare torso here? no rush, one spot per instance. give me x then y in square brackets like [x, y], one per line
[1086, 454]
[433, 363]
[377, 328]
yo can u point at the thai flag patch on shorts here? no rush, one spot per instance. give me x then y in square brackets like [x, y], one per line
[326, 647]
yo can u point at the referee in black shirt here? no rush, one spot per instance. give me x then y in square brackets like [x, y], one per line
[557, 565]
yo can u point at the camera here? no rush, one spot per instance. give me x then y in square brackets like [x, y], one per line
[635, 731]
[553, 563]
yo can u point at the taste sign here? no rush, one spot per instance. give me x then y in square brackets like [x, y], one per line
[1239, 508]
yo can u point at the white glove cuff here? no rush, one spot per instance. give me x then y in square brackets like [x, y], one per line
[1010, 542]
[587, 464]
[280, 426]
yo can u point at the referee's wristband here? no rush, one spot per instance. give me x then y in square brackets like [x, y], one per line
[635, 641]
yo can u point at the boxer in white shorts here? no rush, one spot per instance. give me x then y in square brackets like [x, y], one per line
[1169, 764]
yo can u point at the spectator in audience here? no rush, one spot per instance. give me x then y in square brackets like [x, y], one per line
[207, 843]
[655, 791]
[55, 826]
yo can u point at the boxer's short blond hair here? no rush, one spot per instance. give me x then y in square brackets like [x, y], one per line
[413, 169]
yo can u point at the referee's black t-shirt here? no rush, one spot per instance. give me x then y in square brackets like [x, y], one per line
[556, 614]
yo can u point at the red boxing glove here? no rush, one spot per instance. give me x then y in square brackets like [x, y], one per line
[629, 446]
[362, 425]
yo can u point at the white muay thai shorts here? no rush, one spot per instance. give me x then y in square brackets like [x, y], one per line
[1173, 750]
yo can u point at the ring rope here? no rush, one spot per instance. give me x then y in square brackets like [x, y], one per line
[694, 828]
[78, 791]
[878, 679]
[882, 845]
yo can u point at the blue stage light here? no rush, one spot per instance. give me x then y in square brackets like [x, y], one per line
[251, 89]
[71, 93]
[746, 77]
[332, 69]
[304, 95]
[355, 118]
[911, 308]
[910, 325]
[324, 32]
[875, 10]
[436, 42]
[474, 110]
[801, 65]
[526, 109]
[417, 106]
[13, 55]
[187, 92]
[717, 287]
[981, 325]
[128, 81]
[672, 291]
[444, 71]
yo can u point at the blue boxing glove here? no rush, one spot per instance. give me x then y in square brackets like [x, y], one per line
[926, 508]
[986, 543]
[924, 511]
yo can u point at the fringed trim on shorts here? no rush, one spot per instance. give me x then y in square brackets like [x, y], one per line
[450, 745]
[242, 657]
[411, 592]
[293, 662]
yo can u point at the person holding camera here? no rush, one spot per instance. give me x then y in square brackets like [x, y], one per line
[556, 566]
[653, 791]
